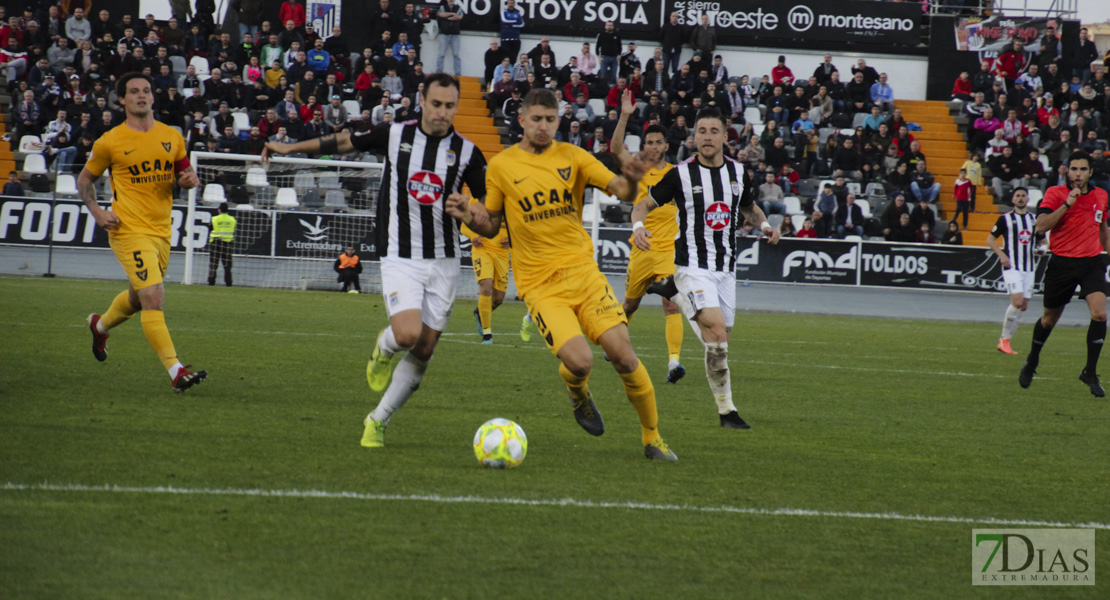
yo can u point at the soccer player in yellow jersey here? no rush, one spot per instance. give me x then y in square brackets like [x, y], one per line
[490, 258]
[647, 266]
[145, 158]
[537, 186]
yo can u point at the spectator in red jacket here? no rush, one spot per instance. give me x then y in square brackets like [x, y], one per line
[781, 74]
[961, 89]
[575, 87]
[291, 11]
[807, 230]
[613, 100]
[1012, 63]
[1045, 112]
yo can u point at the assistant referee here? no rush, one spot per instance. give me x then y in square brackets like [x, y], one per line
[1075, 215]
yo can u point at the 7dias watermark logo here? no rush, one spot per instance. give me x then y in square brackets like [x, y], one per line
[1033, 557]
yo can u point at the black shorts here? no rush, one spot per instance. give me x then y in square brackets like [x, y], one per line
[1064, 274]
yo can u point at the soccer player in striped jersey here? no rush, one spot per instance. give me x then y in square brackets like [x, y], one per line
[537, 185]
[713, 195]
[1075, 215]
[647, 266]
[426, 161]
[1017, 231]
[144, 159]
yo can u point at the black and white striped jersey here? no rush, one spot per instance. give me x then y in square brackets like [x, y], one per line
[421, 171]
[708, 201]
[1020, 237]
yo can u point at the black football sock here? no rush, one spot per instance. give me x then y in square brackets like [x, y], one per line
[1096, 334]
[1040, 336]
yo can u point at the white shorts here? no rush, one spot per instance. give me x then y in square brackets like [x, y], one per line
[702, 288]
[425, 284]
[1018, 282]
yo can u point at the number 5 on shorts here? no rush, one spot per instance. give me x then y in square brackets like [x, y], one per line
[138, 259]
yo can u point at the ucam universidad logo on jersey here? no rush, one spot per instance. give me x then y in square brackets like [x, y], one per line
[717, 216]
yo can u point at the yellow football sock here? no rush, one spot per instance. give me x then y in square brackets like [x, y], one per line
[154, 326]
[120, 311]
[577, 386]
[485, 310]
[641, 393]
[674, 336]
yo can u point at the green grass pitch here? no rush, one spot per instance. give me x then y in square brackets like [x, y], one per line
[855, 422]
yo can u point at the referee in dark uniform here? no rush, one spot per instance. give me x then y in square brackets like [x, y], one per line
[1076, 217]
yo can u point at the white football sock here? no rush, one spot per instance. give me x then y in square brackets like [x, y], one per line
[1010, 324]
[406, 380]
[100, 328]
[175, 369]
[387, 343]
[716, 370]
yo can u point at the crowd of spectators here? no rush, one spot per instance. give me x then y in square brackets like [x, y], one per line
[290, 81]
[1025, 115]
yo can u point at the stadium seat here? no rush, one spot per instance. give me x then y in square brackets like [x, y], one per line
[600, 109]
[31, 144]
[875, 191]
[256, 177]
[287, 198]
[354, 111]
[857, 120]
[35, 164]
[310, 198]
[854, 188]
[1047, 165]
[604, 199]
[824, 133]
[775, 221]
[178, 65]
[752, 115]
[798, 220]
[66, 185]
[853, 238]
[757, 128]
[201, 64]
[807, 188]
[865, 207]
[335, 199]
[793, 205]
[214, 194]
[330, 182]
[1035, 197]
[242, 122]
[263, 197]
[633, 143]
[590, 215]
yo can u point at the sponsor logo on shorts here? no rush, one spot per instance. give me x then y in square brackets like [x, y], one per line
[141, 275]
[394, 299]
[426, 187]
[717, 216]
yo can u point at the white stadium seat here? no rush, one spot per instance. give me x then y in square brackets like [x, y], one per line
[67, 185]
[865, 208]
[256, 177]
[31, 144]
[1035, 197]
[214, 194]
[793, 205]
[35, 164]
[242, 122]
[354, 111]
[287, 198]
[798, 220]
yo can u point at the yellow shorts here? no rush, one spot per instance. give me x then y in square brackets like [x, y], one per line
[144, 258]
[491, 264]
[645, 267]
[578, 301]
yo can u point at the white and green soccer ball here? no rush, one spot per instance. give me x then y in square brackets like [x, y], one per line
[500, 443]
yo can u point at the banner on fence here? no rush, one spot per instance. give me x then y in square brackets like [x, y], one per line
[738, 22]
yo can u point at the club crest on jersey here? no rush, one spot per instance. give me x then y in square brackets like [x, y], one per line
[735, 189]
[565, 174]
[1024, 237]
[717, 216]
[451, 158]
[426, 187]
[167, 145]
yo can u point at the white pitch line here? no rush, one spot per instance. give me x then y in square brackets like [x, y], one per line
[555, 502]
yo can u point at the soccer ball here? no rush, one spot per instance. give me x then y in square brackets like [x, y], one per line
[500, 443]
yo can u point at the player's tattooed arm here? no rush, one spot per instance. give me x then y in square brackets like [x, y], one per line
[486, 223]
[335, 143]
[107, 220]
[188, 179]
[755, 214]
